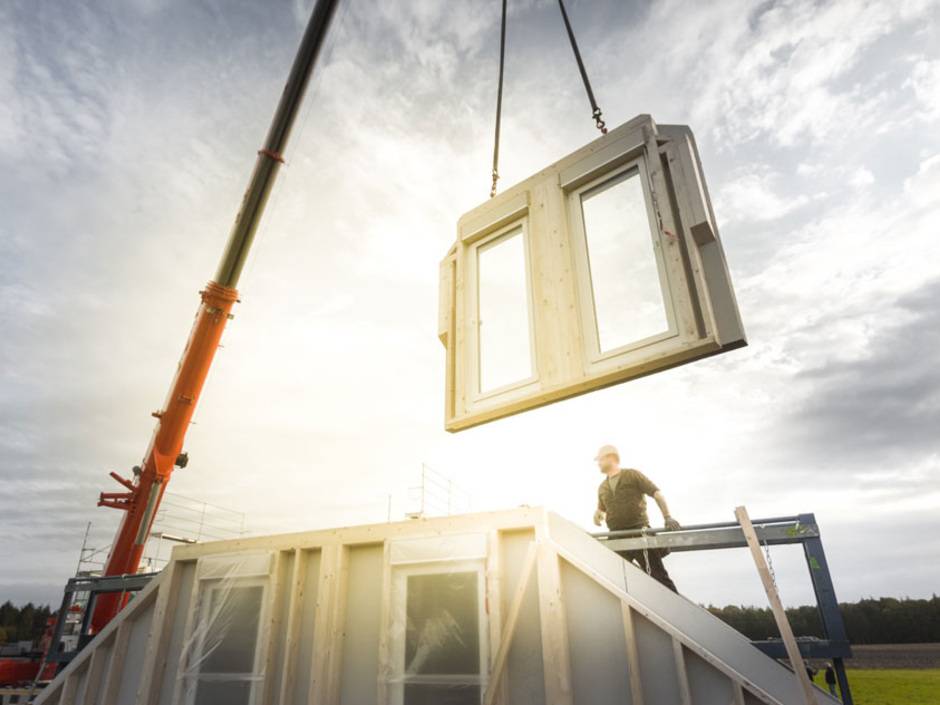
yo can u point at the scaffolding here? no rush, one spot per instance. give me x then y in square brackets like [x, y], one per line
[775, 531]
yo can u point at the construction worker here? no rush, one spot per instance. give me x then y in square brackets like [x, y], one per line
[621, 501]
[831, 678]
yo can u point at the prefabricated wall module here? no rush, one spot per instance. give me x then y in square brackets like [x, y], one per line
[517, 607]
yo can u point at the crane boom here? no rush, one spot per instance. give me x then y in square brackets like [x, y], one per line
[143, 494]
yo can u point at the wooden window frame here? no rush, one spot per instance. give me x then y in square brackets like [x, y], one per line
[253, 571]
[594, 357]
[513, 390]
[398, 601]
[701, 308]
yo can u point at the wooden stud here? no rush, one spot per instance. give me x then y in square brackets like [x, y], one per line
[158, 638]
[633, 655]
[385, 622]
[682, 676]
[494, 602]
[737, 693]
[328, 626]
[93, 678]
[505, 643]
[776, 606]
[69, 689]
[556, 661]
[188, 625]
[116, 670]
[292, 635]
[270, 627]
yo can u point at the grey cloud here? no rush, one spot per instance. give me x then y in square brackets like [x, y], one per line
[883, 407]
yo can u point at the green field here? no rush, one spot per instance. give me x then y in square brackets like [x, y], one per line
[895, 686]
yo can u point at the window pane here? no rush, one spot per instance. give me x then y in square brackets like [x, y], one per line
[628, 297]
[232, 632]
[223, 692]
[441, 694]
[504, 313]
[443, 632]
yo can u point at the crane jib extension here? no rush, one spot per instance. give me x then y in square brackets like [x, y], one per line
[143, 494]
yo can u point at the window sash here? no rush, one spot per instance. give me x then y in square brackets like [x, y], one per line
[398, 632]
[594, 356]
[477, 397]
[197, 656]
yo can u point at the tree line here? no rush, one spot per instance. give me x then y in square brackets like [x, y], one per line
[885, 620]
[24, 623]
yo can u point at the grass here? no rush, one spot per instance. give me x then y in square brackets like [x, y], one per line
[895, 686]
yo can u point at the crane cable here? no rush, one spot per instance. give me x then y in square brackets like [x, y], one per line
[596, 113]
[595, 110]
[499, 99]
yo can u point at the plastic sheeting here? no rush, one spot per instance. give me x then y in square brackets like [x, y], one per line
[221, 663]
[438, 630]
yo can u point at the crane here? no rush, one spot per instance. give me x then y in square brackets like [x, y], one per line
[142, 494]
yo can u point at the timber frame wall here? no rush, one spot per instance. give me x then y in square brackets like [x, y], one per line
[567, 621]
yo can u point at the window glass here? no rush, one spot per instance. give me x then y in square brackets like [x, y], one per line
[442, 639]
[443, 633]
[223, 692]
[229, 646]
[628, 296]
[456, 694]
[503, 316]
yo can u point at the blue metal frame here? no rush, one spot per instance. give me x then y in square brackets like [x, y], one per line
[775, 531]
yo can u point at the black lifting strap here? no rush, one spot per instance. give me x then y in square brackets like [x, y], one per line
[595, 111]
[499, 100]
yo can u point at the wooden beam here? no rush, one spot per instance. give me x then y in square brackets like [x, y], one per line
[776, 606]
[328, 626]
[271, 628]
[292, 631]
[158, 638]
[506, 519]
[113, 681]
[93, 679]
[502, 655]
[633, 655]
[682, 676]
[385, 622]
[737, 693]
[555, 657]
[69, 688]
[494, 600]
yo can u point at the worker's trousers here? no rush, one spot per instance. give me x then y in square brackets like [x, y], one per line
[655, 568]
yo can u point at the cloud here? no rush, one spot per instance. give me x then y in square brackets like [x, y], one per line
[925, 81]
[861, 178]
[924, 186]
[751, 198]
[880, 408]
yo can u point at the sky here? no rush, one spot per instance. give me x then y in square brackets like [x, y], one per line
[127, 133]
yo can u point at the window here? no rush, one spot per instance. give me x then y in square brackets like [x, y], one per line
[602, 267]
[227, 667]
[439, 646]
[221, 660]
[625, 277]
[504, 352]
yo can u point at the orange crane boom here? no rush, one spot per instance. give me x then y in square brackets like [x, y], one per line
[165, 452]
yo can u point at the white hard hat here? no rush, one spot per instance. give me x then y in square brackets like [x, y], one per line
[606, 450]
